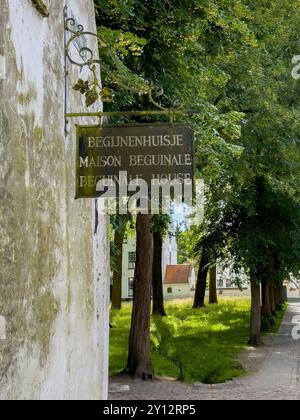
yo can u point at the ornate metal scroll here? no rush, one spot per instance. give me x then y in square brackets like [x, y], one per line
[92, 88]
[85, 53]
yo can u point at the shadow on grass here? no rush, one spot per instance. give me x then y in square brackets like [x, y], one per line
[201, 344]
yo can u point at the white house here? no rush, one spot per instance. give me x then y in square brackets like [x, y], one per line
[293, 288]
[169, 257]
[231, 283]
[169, 253]
[129, 260]
[180, 282]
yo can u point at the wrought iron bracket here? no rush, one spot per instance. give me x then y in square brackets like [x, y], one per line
[170, 113]
[73, 32]
[92, 88]
[85, 53]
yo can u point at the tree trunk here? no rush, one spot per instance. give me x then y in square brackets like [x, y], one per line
[272, 285]
[266, 308]
[139, 363]
[213, 298]
[158, 294]
[283, 294]
[117, 276]
[266, 313]
[278, 299]
[199, 301]
[255, 329]
[272, 299]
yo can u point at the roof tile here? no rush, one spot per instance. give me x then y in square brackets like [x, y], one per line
[178, 274]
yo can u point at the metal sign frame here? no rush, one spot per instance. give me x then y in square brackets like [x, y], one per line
[164, 126]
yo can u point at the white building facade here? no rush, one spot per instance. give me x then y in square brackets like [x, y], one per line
[169, 253]
[232, 283]
[129, 260]
[169, 257]
[179, 282]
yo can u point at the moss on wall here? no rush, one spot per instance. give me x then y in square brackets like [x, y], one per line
[41, 7]
[31, 237]
[30, 95]
[30, 225]
[45, 310]
[47, 290]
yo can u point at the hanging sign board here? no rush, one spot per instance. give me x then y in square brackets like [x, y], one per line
[147, 152]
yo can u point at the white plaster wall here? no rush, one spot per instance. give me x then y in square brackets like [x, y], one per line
[170, 249]
[74, 363]
[179, 291]
[227, 277]
[233, 292]
[192, 279]
[128, 246]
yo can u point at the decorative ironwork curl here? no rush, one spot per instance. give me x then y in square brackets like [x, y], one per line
[70, 22]
[158, 105]
[83, 52]
[93, 89]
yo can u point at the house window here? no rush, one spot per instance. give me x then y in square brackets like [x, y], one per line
[131, 260]
[228, 283]
[170, 290]
[220, 283]
[130, 287]
[170, 256]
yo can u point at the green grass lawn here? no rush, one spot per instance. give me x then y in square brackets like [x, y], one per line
[206, 341]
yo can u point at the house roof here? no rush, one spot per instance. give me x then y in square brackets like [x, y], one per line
[178, 274]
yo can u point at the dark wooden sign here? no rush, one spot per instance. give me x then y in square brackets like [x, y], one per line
[148, 152]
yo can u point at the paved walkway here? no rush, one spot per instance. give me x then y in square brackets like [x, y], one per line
[277, 378]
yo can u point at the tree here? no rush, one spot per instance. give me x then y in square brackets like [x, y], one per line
[145, 44]
[160, 224]
[199, 300]
[258, 211]
[119, 224]
[266, 303]
[213, 298]
[157, 283]
[272, 299]
[139, 362]
[255, 324]
[232, 61]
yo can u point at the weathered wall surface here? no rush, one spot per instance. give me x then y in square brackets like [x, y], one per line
[54, 278]
[179, 291]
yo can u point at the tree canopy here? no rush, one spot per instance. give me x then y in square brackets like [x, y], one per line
[231, 60]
